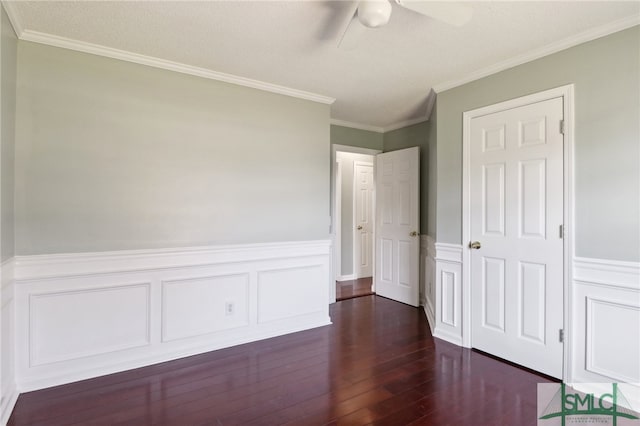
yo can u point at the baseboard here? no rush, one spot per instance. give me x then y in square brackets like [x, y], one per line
[54, 379]
[428, 311]
[448, 337]
[9, 398]
[349, 277]
[79, 316]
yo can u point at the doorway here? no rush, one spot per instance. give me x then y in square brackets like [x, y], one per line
[353, 201]
[515, 220]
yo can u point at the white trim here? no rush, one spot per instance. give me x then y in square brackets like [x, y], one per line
[12, 13]
[6, 272]
[337, 223]
[75, 279]
[354, 125]
[406, 123]
[428, 312]
[447, 336]
[427, 260]
[9, 398]
[349, 277]
[567, 93]
[353, 150]
[431, 103]
[448, 252]
[549, 49]
[8, 391]
[6, 280]
[336, 220]
[447, 292]
[55, 266]
[95, 49]
[612, 273]
[431, 100]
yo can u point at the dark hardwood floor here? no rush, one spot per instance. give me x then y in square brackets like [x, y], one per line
[353, 288]
[377, 364]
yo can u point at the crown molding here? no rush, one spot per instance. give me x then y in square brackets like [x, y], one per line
[95, 49]
[358, 126]
[12, 13]
[406, 123]
[583, 37]
[431, 100]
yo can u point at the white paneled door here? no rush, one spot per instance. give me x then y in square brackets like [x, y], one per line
[397, 223]
[516, 242]
[363, 199]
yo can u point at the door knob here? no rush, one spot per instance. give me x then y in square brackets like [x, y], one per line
[413, 234]
[359, 227]
[475, 245]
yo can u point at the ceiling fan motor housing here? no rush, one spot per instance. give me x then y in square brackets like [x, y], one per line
[374, 13]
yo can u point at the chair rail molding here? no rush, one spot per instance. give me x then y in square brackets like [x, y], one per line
[88, 314]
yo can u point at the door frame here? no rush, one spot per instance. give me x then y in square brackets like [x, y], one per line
[567, 93]
[335, 219]
[372, 215]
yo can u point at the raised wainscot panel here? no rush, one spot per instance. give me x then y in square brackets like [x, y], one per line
[611, 350]
[197, 306]
[606, 325]
[291, 292]
[449, 302]
[74, 324]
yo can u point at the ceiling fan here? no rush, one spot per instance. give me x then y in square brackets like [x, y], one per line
[376, 13]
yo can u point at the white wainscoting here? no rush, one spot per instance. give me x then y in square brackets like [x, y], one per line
[428, 278]
[448, 292]
[8, 389]
[605, 321]
[85, 315]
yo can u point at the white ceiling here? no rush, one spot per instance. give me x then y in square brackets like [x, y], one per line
[379, 80]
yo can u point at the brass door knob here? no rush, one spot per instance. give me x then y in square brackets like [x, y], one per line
[413, 234]
[359, 228]
[475, 245]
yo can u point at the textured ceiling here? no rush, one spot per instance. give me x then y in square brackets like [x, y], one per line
[380, 78]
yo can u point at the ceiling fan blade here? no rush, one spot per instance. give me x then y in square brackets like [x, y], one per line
[352, 29]
[447, 12]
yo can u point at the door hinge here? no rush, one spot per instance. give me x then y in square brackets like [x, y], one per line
[561, 231]
[562, 127]
[561, 335]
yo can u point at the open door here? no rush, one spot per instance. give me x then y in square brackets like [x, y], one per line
[397, 223]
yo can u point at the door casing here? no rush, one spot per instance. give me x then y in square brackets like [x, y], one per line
[567, 93]
[335, 223]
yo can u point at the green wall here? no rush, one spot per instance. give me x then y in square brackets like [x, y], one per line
[407, 137]
[341, 135]
[8, 46]
[112, 155]
[605, 73]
